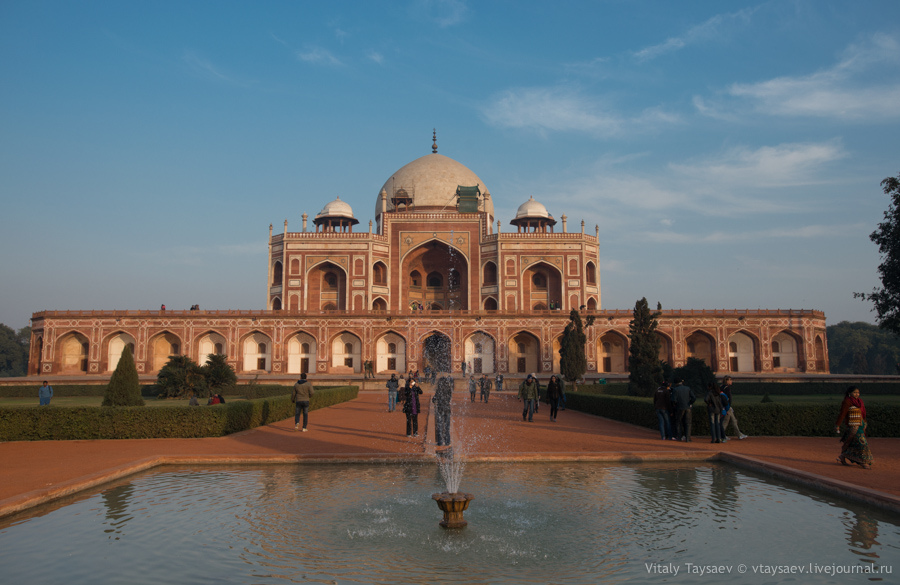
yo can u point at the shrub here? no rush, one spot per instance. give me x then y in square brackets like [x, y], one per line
[218, 373]
[124, 388]
[35, 423]
[181, 376]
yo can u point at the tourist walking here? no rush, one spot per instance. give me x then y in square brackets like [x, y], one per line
[662, 402]
[499, 381]
[411, 407]
[684, 398]
[367, 369]
[729, 416]
[554, 391]
[45, 393]
[528, 392]
[300, 396]
[473, 387]
[855, 445]
[486, 385]
[393, 386]
[714, 411]
[443, 394]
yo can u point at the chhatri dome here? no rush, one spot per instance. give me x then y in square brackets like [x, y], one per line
[431, 183]
[532, 209]
[336, 208]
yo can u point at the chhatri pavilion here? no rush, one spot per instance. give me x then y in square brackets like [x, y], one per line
[436, 279]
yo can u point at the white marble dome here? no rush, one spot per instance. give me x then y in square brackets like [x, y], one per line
[336, 208]
[432, 181]
[532, 209]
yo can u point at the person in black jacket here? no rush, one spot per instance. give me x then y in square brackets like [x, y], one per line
[412, 407]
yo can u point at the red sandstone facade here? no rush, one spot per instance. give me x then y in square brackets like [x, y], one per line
[434, 281]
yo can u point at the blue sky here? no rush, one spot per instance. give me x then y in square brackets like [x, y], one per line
[731, 152]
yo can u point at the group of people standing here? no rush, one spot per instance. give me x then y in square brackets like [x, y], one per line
[484, 384]
[529, 393]
[673, 411]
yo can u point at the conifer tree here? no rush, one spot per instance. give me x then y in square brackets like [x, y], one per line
[124, 388]
[645, 371]
[572, 359]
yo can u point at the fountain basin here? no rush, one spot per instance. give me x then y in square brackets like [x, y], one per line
[453, 505]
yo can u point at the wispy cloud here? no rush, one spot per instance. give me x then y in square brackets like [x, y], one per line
[318, 56]
[852, 89]
[799, 232]
[563, 109]
[766, 167]
[713, 28]
[376, 57]
[205, 67]
[445, 13]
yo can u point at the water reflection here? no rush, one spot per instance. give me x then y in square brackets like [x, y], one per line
[532, 523]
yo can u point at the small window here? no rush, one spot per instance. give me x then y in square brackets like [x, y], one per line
[732, 347]
[521, 347]
[415, 279]
[392, 348]
[331, 281]
[435, 280]
[304, 348]
[175, 347]
[776, 347]
[261, 348]
[219, 349]
[348, 348]
[539, 280]
[478, 348]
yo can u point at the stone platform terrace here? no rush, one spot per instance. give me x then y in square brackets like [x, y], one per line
[34, 473]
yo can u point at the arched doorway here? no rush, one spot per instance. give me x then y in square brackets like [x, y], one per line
[446, 277]
[524, 354]
[257, 352]
[115, 346]
[611, 351]
[784, 352]
[301, 354]
[700, 345]
[741, 353]
[162, 347]
[437, 352]
[73, 353]
[541, 286]
[210, 343]
[390, 353]
[479, 353]
[346, 353]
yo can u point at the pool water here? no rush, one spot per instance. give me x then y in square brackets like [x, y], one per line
[374, 523]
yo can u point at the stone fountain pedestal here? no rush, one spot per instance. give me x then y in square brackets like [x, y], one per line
[453, 505]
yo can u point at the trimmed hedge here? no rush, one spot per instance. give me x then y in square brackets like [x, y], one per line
[763, 419]
[249, 391]
[39, 423]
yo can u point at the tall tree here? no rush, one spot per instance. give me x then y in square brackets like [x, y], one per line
[572, 359]
[644, 369]
[886, 300]
[124, 388]
[14, 351]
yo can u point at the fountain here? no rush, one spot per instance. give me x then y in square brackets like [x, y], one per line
[453, 505]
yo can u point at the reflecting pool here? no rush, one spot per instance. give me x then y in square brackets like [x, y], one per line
[529, 523]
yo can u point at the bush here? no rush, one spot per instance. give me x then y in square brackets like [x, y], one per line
[769, 419]
[170, 422]
[124, 388]
[181, 376]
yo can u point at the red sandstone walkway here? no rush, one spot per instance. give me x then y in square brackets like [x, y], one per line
[37, 472]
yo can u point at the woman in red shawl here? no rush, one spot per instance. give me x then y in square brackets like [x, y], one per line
[856, 447]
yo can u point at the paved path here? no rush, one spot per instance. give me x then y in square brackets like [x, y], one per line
[38, 472]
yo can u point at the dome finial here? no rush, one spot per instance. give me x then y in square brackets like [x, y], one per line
[434, 143]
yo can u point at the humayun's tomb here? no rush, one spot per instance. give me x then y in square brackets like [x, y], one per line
[433, 273]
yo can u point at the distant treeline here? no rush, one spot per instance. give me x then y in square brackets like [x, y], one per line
[14, 351]
[862, 348]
